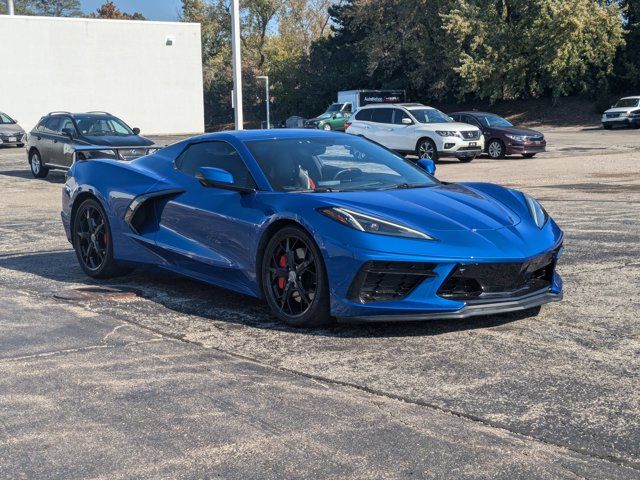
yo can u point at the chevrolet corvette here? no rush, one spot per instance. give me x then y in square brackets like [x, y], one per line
[321, 225]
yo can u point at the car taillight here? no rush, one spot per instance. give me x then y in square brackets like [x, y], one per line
[347, 125]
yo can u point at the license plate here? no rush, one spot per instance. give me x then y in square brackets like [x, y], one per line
[12, 139]
[473, 144]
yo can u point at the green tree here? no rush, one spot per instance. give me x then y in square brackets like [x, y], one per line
[55, 8]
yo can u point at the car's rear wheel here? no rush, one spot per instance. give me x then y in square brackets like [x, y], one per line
[93, 242]
[38, 169]
[607, 127]
[326, 127]
[294, 280]
[427, 149]
[466, 159]
[496, 149]
[528, 155]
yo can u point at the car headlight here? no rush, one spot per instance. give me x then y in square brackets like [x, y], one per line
[517, 138]
[367, 223]
[537, 212]
[448, 133]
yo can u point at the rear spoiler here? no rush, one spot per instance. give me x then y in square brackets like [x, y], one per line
[117, 151]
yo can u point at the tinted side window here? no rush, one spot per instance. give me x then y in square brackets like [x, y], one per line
[67, 123]
[398, 115]
[364, 115]
[218, 155]
[382, 115]
[471, 120]
[52, 125]
[456, 117]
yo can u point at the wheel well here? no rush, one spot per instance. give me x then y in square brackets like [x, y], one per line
[494, 138]
[264, 240]
[31, 150]
[421, 139]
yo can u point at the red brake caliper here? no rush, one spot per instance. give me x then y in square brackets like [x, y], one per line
[281, 280]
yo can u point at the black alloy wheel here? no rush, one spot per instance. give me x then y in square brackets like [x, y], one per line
[294, 279]
[92, 241]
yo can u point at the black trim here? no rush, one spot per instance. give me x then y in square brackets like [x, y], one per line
[378, 281]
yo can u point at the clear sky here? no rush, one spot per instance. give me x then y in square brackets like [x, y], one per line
[152, 9]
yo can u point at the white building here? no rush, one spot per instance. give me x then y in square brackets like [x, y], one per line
[147, 73]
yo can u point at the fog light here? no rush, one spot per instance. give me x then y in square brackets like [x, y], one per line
[449, 145]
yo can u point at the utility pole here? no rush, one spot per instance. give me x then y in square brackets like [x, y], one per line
[237, 64]
[10, 8]
[266, 79]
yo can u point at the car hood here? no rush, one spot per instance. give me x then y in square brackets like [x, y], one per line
[446, 207]
[516, 131]
[120, 141]
[11, 128]
[621, 109]
[453, 126]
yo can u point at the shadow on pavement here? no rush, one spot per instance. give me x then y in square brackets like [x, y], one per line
[53, 177]
[190, 297]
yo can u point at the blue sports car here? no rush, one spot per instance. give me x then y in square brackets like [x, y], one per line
[321, 225]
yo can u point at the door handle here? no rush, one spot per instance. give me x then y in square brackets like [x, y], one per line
[55, 140]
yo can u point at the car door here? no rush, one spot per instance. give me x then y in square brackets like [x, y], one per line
[206, 232]
[399, 134]
[381, 124]
[45, 139]
[59, 154]
[57, 141]
[360, 122]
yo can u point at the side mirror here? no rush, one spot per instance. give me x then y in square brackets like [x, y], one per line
[219, 178]
[427, 165]
[136, 131]
[67, 132]
[407, 121]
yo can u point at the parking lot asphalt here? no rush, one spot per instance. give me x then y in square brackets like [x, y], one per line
[162, 377]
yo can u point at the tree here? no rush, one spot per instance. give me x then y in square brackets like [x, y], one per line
[109, 10]
[55, 8]
[21, 7]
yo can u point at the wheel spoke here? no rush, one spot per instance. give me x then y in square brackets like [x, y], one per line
[303, 293]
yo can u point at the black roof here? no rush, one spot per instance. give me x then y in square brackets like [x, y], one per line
[472, 113]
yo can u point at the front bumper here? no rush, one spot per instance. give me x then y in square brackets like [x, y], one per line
[473, 309]
[519, 148]
[622, 120]
[12, 140]
[456, 147]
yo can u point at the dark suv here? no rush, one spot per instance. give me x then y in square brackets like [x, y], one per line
[501, 137]
[53, 142]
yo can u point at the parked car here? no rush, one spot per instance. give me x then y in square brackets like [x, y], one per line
[319, 224]
[332, 119]
[11, 134]
[502, 137]
[413, 128]
[626, 112]
[51, 144]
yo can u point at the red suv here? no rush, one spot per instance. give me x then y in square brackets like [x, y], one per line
[501, 138]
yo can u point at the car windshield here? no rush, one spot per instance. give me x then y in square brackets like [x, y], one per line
[6, 119]
[430, 115]
[102, 125]
[493, 121]
[336, 107]
[342, 163]
[627, 102]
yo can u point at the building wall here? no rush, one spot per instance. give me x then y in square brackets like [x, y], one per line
[122, 67]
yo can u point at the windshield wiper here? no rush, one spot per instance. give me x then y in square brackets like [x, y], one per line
[403, 186]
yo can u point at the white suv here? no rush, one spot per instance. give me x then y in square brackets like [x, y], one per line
[413, 128]
[625, 112]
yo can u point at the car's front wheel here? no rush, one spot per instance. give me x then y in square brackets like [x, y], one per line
[496, 149]
[294, 280]
[427, 149]
[607, 127]
[326, 127]
[38, 169]
[93, 242]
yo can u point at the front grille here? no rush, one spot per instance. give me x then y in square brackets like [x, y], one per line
[613, 115]
[381, 281]
[477, 281]
[471, 135]
[469, 149]
[6, 136]
[534, 138]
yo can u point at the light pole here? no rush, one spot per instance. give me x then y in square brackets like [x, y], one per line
[237, 64]
[10, 10]
[266, 85]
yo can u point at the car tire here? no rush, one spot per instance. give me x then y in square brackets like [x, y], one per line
[496, 149]
[326, 127]
[528, 155]
[607, 127]
[466, 159]
[426, 148]
[38, 170]
[92, 241]
[294, 279]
